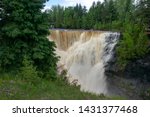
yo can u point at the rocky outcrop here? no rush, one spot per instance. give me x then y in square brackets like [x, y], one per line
[134, 81]
[139, 68]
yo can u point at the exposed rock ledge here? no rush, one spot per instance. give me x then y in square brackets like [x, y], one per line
[134, 81]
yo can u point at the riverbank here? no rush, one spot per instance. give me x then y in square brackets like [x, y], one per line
[12, 88]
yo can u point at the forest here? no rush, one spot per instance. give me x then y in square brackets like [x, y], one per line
[107, 15]
[129, 17]
[27, 56]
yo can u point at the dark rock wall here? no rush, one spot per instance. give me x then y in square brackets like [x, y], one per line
[133, 82]
[139, 69]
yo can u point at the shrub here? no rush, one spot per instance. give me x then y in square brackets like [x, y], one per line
[28, 72]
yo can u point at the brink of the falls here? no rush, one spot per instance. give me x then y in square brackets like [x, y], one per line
[84, 54]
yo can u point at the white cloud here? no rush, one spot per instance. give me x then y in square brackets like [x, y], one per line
[86, 3]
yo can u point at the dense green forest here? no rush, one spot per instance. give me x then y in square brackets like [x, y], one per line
[130, 17]
[28, 58]
[110, 14]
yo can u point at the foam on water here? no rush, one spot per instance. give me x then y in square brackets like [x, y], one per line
[85, 58]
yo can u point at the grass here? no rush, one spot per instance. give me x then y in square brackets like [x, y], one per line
[12, 88]
[27, 84]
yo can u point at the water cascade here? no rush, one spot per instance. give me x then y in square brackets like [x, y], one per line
[84, 54]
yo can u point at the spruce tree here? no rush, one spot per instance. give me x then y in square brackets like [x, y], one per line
[24, 30]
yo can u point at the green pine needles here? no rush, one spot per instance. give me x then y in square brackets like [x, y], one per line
[23, 32]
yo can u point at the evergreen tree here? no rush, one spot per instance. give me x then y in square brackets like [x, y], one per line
[143, 12]
[56, 15]
[23, 33]
[133, 45]
[68, 17]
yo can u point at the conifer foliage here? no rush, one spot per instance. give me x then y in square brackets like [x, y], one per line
[23, 32]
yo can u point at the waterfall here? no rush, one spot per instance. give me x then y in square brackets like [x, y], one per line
[84, 54]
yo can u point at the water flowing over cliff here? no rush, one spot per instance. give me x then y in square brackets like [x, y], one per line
[84, 54]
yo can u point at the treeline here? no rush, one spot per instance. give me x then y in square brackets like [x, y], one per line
[110, 14]
[129, 17]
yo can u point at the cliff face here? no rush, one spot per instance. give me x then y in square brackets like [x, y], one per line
[134, 80]
[136, 69]
[139, 68]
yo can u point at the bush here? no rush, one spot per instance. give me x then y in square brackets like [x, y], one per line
[51, 74]
[28, 72]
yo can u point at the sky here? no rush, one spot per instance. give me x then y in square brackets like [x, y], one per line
[86, 3]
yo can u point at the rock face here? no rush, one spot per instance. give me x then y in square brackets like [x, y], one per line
[139, 69]
[136, 69]
[134, 81]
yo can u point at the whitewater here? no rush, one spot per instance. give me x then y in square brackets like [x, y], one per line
[85, 54]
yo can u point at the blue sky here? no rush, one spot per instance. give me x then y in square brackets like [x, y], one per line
[86, 3]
